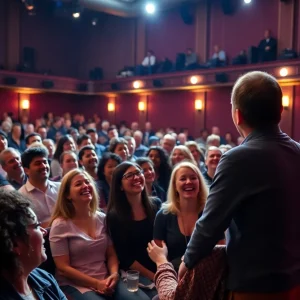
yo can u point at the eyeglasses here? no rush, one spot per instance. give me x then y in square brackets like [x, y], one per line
[131, 175]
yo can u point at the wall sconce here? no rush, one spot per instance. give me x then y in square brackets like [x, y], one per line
[285, 102]
[25, 104]
[198, 104]
[194, 79]
[137, 84]
[111, 106]
[142, 106]
[283, 72]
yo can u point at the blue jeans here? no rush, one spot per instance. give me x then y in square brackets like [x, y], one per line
[121, 293]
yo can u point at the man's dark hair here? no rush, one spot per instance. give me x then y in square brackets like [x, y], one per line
[91, 130]
[82, 138]
[83, 149]
[30, 135]
[105, 158]
[14, 219]
[31, 153]
[258, 96]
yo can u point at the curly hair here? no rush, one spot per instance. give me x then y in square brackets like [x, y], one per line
[14, 219]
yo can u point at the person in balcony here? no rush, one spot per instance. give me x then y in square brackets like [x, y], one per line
[190, 60]
[267, 47]
[148, 64]
[218, 59]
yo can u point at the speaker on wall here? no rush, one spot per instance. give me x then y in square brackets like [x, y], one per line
[228, 7]
[10, 80]
[187, 13]
[47, 84]
[157, 83]
[82, 87]
[221, 77]
[115, 86]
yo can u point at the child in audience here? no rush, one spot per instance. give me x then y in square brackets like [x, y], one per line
[130, 219]
[85, 258]
[175, 222]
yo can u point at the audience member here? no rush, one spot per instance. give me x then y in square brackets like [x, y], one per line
[216, 131]
[15, 139]
[212, 158]
[103, 133]
[39, 189]
[203, 137]
[228, 139]
[88, 159]
[181, 153]
[99, 149]
[175, 222]
[213, 140]
[268, 47]
[248, 202]
[56, 130]
[42, 131]
[22, 251]
[106, 167]
[10, 161]
[197, 154]
[140, 149]
[148, 64]
[218, 59]
[3, 146]
[152, 187]
[181, 139]
[168, 143]
[131, 145]
[190, 60]
[32, 138]
[130, 219]
[119, 147]
[78, 227]
[161, 164]
[148, 133]
[49, 144]
[5, 185]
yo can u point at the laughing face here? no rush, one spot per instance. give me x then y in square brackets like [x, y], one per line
[81, 190]
[89, 159]
[187, 183]
[213, 158]
[38, 169]
[149, 172]
[133, 181]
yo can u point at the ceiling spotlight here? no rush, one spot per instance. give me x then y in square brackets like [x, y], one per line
[76, 15]
[28, 4]
[137, 84]
[76, 9]
[194, 79]
[150, 8]
[247, 1]
[94, 21]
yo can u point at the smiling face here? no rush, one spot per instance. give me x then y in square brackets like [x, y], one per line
[195, 153]
[149, 172]
[177, 156]
[81, 190]
[12, 164]
[38, 169]
[187, 183]
[3, 143]
[32, 253]
[122, 151]
[133, 181]
[69, 162]
[69, 145]
[89, 159]
[213, 158]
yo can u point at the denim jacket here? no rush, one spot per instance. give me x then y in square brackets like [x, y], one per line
[42, 283]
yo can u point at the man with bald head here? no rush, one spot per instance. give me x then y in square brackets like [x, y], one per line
[255, 195]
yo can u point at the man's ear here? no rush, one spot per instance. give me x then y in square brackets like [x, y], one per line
[239, 117]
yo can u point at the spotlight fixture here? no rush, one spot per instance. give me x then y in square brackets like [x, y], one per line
[137, 84]
[285, 102]
[150, 8]
[283, 72]
[247, 1]
[76, 9]
[76, 15]
[94, 21]
[29, 4]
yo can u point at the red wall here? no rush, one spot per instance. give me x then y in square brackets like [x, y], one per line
[8, 102]
[55, 40]
[244, 28]
[109, 45]
[296, 115]
[2, 33]
[167, 35]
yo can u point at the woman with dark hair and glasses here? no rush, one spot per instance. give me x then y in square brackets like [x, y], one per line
[65, 143]
[162, 167]
[152, 187]
[22, 251]
[107, 165]
[130, 220]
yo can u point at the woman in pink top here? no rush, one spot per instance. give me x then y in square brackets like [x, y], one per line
[86, 262]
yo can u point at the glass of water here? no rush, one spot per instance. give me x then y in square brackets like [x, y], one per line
[132, 280]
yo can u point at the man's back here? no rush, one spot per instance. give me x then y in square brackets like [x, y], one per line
[264, 233]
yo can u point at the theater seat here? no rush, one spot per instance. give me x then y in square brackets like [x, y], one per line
[49, 264]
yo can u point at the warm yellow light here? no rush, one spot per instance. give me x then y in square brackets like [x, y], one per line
[194, 79]
[142, 106]
[25, 104]
[111, 106]
[137, 84]
[283, 72]
[285, 101]
[198, 104]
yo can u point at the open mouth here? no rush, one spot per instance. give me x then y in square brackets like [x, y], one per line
[188, 189]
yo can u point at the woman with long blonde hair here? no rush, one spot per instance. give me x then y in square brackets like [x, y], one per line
[175, 222]
[83, 253]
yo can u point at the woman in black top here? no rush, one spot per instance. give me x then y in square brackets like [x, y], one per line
[130, 219]
[152, 187]
[162, 167]
[107, 165]
[175, 222]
